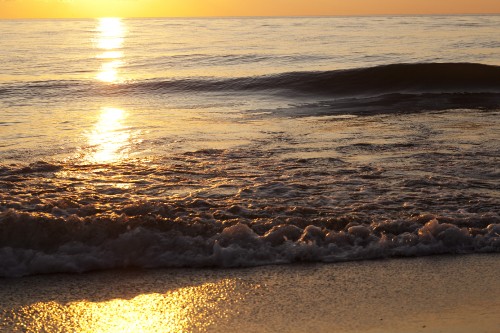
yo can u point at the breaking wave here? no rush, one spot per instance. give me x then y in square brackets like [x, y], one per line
[397, 88]
[40, 244]
[53, 220]
[386, 79]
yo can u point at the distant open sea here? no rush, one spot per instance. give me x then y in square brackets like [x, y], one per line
[246, 141]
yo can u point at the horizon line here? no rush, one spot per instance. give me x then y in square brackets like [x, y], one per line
[251, 16]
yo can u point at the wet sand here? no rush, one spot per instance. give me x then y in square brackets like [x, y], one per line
[428, 294]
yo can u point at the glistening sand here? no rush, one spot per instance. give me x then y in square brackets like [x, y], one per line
[427, 294]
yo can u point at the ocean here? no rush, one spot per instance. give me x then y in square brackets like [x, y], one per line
[238, 142]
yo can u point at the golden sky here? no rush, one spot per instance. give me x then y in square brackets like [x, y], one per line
[173, 8]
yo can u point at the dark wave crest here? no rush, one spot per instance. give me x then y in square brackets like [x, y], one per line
[381, 89]
[396, 78]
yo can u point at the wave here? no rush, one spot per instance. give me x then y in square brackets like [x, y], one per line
[418, 78]
[244, 207]
[386, 79]
[35, 244]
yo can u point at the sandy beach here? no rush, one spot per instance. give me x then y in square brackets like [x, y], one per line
[428, 294]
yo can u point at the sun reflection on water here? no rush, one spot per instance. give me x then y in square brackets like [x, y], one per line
[110, 39]
[109, 137]
[188, 309]
[109, 71]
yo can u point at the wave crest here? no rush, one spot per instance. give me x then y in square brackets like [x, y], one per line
[386, 79]
[394, 78]
[36, 244]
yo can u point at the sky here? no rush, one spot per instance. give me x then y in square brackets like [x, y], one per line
[182, 8]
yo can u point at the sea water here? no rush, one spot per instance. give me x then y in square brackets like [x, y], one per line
[246, 141]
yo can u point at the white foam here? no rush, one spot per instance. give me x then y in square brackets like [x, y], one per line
[239, 245]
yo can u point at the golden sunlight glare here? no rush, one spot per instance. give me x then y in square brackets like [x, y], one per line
[110, 39]
[188, 309]
[109, 136]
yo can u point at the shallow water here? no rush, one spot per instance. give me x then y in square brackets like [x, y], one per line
[153, 143]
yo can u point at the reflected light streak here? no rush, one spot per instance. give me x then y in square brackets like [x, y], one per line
[193, 308]
[110, 55]
[109, 137]
[110, 39]
[109, 71]
[111, 33]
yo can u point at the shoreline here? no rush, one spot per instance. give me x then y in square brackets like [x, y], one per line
[424, 294]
